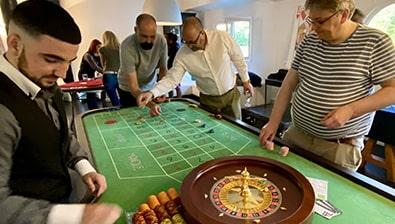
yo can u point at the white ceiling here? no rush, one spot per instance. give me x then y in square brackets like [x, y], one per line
[206, 5]
[70, 3]
[195, 5]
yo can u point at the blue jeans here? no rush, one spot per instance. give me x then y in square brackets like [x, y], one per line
[91, 99]
[110, 82]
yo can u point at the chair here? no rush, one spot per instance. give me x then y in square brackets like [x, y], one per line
[255, 80]
[275, 79]
[383, 123]
[387, 163]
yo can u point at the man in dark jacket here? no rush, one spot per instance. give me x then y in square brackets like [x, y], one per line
[36, 145]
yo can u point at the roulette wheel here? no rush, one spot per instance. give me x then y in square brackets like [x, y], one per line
[246, 189]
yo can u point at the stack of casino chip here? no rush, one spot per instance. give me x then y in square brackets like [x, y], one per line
[160, 209]
[148, 215]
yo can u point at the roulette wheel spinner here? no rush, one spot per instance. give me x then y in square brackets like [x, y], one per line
[246, 189]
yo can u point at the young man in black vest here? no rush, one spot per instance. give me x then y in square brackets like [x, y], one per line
[36, 146]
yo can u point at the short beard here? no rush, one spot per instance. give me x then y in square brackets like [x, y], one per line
[22, 65]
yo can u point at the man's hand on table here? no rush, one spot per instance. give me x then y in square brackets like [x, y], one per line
[144, 98]
[96, 183]
[267, 134]
[154, 109]
[160, 99]
[101, 214]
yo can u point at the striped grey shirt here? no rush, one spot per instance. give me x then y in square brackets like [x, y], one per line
[331, 76]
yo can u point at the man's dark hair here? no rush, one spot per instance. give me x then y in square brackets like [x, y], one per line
[143, 17]
[41, 17]
[171, 36]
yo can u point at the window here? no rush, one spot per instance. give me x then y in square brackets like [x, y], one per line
[385, 20]
[240, 30]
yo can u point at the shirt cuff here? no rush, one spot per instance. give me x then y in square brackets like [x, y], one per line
[245, 78]
[155, 93]
[66, 214]
[83, 167]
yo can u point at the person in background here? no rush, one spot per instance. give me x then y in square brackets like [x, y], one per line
[90, 64]
[36, 145]
[68, 97]
[358, 16]
[208, 55]
[141, 53]
[332, 78]
[109, 56]
[172, 49]
[69, 75]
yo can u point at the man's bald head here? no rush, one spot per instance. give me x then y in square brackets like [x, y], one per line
[192, 24]
[193, 34]
[144, 19]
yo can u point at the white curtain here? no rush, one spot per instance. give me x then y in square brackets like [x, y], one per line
[299, 31]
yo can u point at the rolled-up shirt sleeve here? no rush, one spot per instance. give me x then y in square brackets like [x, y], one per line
[172, 79]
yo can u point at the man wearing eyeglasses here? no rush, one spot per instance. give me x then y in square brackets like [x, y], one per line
[332, 78]
[208, 55]
[140, 54]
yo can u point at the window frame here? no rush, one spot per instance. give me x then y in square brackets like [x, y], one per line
[376, 11]
[229, 25]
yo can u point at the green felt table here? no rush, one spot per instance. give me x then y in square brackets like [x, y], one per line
[141, 158]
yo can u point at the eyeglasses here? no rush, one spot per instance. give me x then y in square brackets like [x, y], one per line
[192, 42]
[319, 23]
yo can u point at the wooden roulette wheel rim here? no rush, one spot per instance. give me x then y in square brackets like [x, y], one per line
[297, 193]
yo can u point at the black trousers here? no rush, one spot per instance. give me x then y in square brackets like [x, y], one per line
[127, 99]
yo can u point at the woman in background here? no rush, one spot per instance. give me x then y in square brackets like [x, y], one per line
[109, 56]
[90, 64]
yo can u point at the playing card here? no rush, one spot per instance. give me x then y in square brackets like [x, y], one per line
[323, 211]
[320, 188]
[332, 206]
[326, 209]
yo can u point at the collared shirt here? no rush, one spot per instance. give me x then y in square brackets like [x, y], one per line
[212, 68]
[10, 134]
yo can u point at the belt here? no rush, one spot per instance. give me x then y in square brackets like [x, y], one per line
[349, 141]
[110, 72]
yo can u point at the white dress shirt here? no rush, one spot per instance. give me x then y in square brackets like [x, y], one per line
[211, 68]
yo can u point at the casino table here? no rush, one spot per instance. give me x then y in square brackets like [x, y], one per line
[142, 155]
[84, 85]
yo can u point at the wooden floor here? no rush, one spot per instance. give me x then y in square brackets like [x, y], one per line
[371, 170]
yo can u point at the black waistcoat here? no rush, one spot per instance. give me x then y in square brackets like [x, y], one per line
[39, 165]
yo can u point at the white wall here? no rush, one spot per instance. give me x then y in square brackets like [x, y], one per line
[272, 28]
[96, 16]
